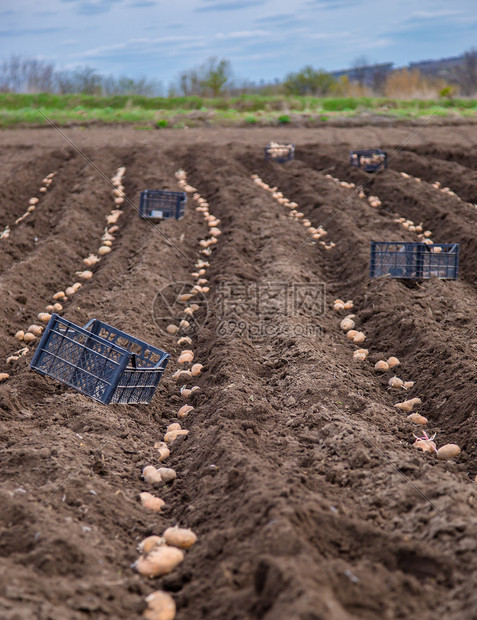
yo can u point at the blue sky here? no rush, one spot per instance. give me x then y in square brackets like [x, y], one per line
[263, 39]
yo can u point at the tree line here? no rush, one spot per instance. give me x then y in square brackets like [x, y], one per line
[214, 77]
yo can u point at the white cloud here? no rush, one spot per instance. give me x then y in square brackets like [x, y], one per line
[435, 14]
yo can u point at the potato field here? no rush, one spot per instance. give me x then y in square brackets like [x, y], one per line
[311, 495]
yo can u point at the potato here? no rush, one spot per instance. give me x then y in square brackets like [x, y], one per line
[163, 450]
[171, 436]
[175, 426]
[36, 330]
[151, 475]
[103, 250]
[20, 335]
[359, 338]
[161, 561]
[408, 405]
[449, 451]
[29, 338]
[44, 317]
[417, 418]
[184, 411]
[393, 361]
[381, 366]
[179, 537]
[4, 376]
[172, 329]
[167, 474]
[151, 503]
[351, 334]
[196, 369]
[184, 340]
[186, 357]
[149, 543]
[59, 295]
[347, 324]
[161, 606]
[395, 382]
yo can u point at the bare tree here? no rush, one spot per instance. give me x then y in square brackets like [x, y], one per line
[359, 69]
[466, 73]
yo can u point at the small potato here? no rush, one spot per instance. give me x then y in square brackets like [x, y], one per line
[59, 295]
[179, 537]
[172, 329]
[184, 340]
[4, 376]
[70, 290]
[167, 474]
[36, 330]
[175, 426]
[351, 334]
[20, 335]
[149, 543]
[417, 418]
[381, 366]
[57, 307]
[184, 411]
[186, 357]
[196, 370]
[395, 382]
[85, 275]
[151, 475]
[181, 375]
[347, 324]
[449, 451]
[44, 317]
[29, 338]
[161, 561]
[34, 201]
[393, 361]
[161, 606]
[103, 250]
[359, 338]
[171, 436]
[49, 308]
[163, 450]
[151, 503]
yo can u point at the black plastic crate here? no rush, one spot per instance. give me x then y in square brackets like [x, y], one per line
[369, 160]
[414, 261]
[159, 204]
[279, 152]
[99, 361]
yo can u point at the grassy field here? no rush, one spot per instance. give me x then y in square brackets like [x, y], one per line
[178, 112]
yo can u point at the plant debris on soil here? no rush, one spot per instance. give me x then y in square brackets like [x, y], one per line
[298, 475]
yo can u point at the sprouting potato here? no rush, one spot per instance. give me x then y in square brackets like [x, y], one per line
[149, 543]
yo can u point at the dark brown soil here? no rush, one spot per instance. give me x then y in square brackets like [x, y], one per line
[298, 475]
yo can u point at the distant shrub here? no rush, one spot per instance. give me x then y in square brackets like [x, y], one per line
[162, 123]
[284, 119]
[250, 120]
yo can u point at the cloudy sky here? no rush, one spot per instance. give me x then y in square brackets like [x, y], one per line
[263, 39]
